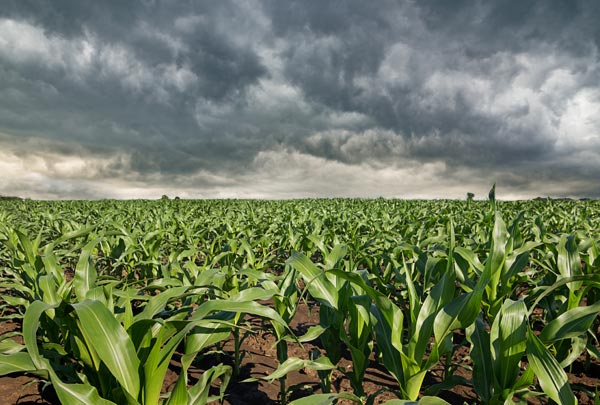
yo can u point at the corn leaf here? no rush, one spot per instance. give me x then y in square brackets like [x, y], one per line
[15, 363]
[85, 272]
[570, 324]
[551, 376]
[318, 285]
[508, 341]
[107, 337]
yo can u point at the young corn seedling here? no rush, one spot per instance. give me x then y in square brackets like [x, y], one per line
[344, 314]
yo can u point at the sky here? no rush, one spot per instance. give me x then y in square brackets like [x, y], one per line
[292, 99]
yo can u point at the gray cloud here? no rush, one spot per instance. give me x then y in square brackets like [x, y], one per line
[230, 99]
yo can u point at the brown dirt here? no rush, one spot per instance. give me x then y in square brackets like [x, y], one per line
[18, 389]
[260, 360]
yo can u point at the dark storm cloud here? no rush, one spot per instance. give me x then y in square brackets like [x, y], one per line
[202, 93]
[452, 49]
[149, 65]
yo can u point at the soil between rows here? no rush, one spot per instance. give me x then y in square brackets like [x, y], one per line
[260, 360]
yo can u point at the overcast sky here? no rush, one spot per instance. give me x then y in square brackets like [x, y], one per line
[283, 99]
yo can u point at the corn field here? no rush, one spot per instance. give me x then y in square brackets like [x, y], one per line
[500, 298]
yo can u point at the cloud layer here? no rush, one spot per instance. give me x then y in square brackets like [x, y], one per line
[281, 99]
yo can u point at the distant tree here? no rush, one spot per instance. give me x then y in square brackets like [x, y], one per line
[164, 197]
[470, 197]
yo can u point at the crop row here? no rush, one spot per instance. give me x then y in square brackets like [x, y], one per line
[107, 293]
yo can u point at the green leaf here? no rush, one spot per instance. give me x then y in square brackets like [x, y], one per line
[295, 363]
[494, 264]
[107, 337]
[552, 378]
[253, 294]
[198, 394]
[157, 303]
[49, 289]
[318, 285]
[325, 399]
[76, 394]
[458, 314]
[388, 328]
[316, 399]
[162, 346]
[313, 333]
[85, 272]
[440, 295]
[483, 373]
[422, 401]
[588, 279]
[10, 346]
[15, 363]
[508, 341]
[249, 307]
[570, 324]
[28, 247]
[337, 253]
[568, 260]
[31, 322]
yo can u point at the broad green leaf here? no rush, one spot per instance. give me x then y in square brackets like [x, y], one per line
[318, 285]
[28, 247]
[249, 307]
[570, 324]
[157, 303]
[253, 294]
[162, 346]
[10, 346]
[313, 333]
[588, 279]
[508, 341]
[198, 394]
[85, 272]
[31, 323]
[325, 399]
[295, 363]
[15, 363]
[49, 289]
[460, 313]
[577, 346]
[552, 378]
[207, 333]
[337, 253]
[107, 337]
[386, 338]
[440, 295]
[422, 401]
[316, 399]
[568, 260]
[481, 355]
[76, 394]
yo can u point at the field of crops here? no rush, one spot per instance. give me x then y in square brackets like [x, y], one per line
[302, 301]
